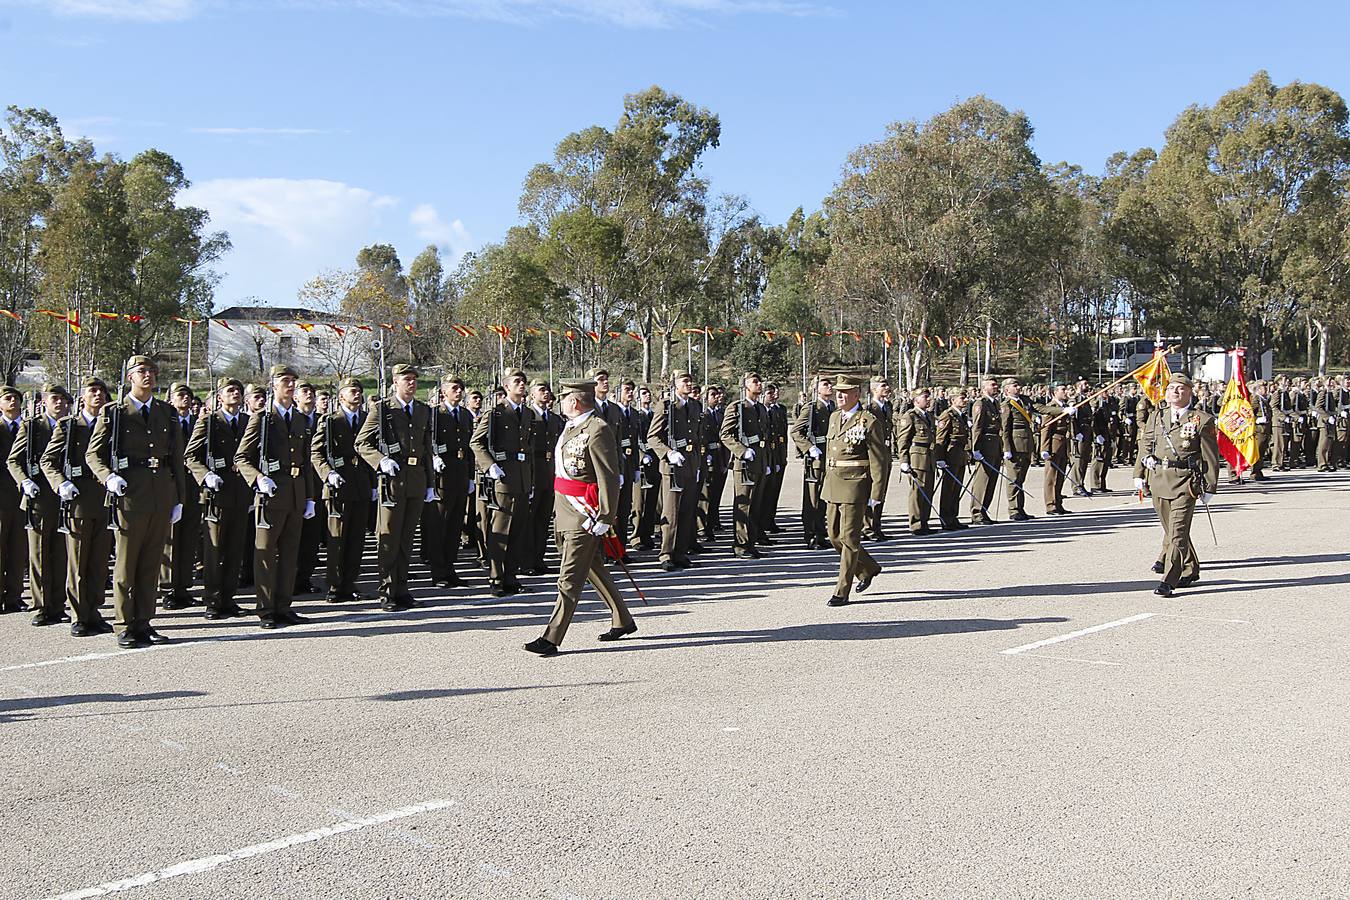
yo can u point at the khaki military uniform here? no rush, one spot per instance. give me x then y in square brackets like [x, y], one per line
[619, 418]
[501, 435]
[333, 449]
[1264, 415]
[444, 521]
[150, 460]
[856, 455]
[89, 542]
[276, 549]
[745, 428]
[1056, 435]
[646, 487]
[1323, 410]
[1187, 452]
[586, 453]
[407, 441]
[885, 414]
[811, 430]
[915, 438]
[543, 441]
[13, 537]
[775, 444]
[986, 439]
[678, 429]
[717, 463]
[46, 545]
[952, 446]
[1084, 432]
[1017, 425]
[178, 568]
[228, 512]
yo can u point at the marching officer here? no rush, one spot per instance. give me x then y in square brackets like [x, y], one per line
[348, 483]
[88, 540]
[915, 437]
[395, 441]
[586, 508]
[1017, 426]
[743, 432]
[226, 499]
[46, 545]
[855, 456]
[548, 425]
[675, 440]
[178, 568]
[1058, 419]
[1178, 463]
[501, 449]
[647, 482]
[810, 432]
[13, 537]
[986, 445]
[775, 445]
[282, 480]
[147, 482]
[880, 405]
[951, 450]
[717, 463]
[444, 520]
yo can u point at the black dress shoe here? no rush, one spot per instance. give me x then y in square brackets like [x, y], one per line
[100, 626]
[921, 532]
[765, 540]
[881, 537]
[865, 582]
[176, 601]
[12, 608]
[1163, 590]
[669, 566]
[696, 547]
[493, 588]
[542, 646]
[79, 629]
[291, 618]
[1062, 511]
[1188, 580]
[512, 586]
[1157, 568]
[131, 639]
[43, 619]
[837, 601]
[304, 587]
[686, 563]
[646, 545]
[339, 598]
[1021, 517]
[615, 633]
[270, 624]
[747, 554]
[538, 570]
[213, 615]
[154, 636]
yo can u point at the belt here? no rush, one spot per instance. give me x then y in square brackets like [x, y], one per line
[1175, 464]
[848, 463]
[153, 462]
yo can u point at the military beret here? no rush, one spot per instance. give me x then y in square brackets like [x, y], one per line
[584, 386]
[677, 374]
[405, 369]
[179, 388]
[10, 389]
[304, 384]
[509, 373]
[748, 375]
[50, 388]
[1010, 382]
[227, 381]
[451, 378]
[919, 391]
[94, 381]
[539, 383]
[1181, 378]
[846, 382]
[142, 360]
[880, 379]
[283, 371]
[349, 383]
[254, 389]
[596, 373]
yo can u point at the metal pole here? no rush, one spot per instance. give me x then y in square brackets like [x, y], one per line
[67, 352]
[988, 347]
[885, 354]
[705, 354]
[187, 376]
[550, 356]
[1052, 362]
[689, 351]
[501, 353]
[805, 386]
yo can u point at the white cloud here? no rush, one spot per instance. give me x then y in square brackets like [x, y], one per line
[129, 10]
[452, 237]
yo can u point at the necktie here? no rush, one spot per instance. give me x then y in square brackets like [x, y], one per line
[287, 417]
[454, 415]
[520, 415]
[145, 413]
[234, 425]
[408, 409]
[14, 428]
[187, 431]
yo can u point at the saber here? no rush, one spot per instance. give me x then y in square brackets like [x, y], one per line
[1212, 533]
[999, 472]
[962, 484]
[624, 565]
[1072, 480]
[914, 479]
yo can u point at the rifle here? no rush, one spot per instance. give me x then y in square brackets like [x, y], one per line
[670, 437]
[385, 484]
[809, 463]
[487, 491]
[740, 431]
[334, 500]
[209, 511]
[31, 522]
[66, 519]
[260, 502]
[112, 501]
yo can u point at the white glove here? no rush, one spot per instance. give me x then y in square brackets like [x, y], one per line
[1045, 454]
[1139, 484]
[116, 485]
[1150, 462]
[646, 459]
[873, 504]
[979, 457]
[698, 476]
[496, 472]
[30, 487]
[471, 486]
[389, 466]
[213, 481]
[1007, 454]
[309, 509]
[1070, 410]
[598, 529]
[1101, 439]
[748, 455]
[334, 480]
[710, 459]
[175, 514]
[904, 467]
[814, 453]
[620, 485]
[374, 494]
[1205, 498]
[1078, 436]
[430, 497]
[942, 464]
[68, 491]
[265, 485]
[437, 464]
[675, 458]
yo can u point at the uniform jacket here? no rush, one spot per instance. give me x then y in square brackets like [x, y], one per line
[150, 455]
[746, 427]
[915, 438]
[544, 442]
[358, 478]
[811, 429]
[588, 454]
[63, 460]
[1058, 430]
[1017, 425]
[856, 454]
[37, 432]
[224, 444]
[952, 444]
[620, 420]
[502, 436]
[712, 439]
[9, 489]
[287, 462]
[986, 426]
[1264, 414]
[407, 442]
[687, 437]
[450, 434]
[1184, 446]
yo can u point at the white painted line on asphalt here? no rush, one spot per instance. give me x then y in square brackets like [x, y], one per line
[206, 863]
[1076, 634]
[1205, 619]
[730, 729]
[1091, 662]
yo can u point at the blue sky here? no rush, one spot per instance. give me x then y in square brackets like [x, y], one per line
[313, 127]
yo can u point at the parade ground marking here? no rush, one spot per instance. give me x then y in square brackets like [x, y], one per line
[206, 863]
[1036, 645]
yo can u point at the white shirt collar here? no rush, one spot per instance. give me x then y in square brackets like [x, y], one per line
[848, 413]
[139, 405]
[88, 419]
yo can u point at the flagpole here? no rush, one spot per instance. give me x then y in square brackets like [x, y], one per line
[705, 354]
[501, 352]
[550, 357]
[187, 376]
[804, 384]
[67, 350]
[1128, 375]
[689, 351]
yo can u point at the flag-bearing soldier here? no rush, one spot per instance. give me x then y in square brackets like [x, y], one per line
[743, 432]
[543, 438]
[13, 536]
[1017, 427]
[445, 518]
[40, 505]
[273, 457]
[1264, 414]
[136, 452]
[1103, 435]
[225, 498]
[986, 448]
[348, 489]
[177, 571]
[855, 454]
[501, 448]
[951, 454]
[675, 437]
[810, 431]
[586, 505]
[395, 441]
[880, 405]
[915, 436]
[84, 516]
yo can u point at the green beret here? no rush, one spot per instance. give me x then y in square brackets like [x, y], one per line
[304, 384]
[50, 388]
[846, 382]
[584, 386]
[227, 381]
[1181, 378]
[11, 389]
[283, 371]
[94, 381]
[508, 374]
[252, 389]
[142, 360]
[680, 373]
[405, 369]
[179, 388]
[350, 383]
[596, 373]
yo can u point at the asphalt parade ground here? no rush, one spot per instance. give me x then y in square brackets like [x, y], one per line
[1008, 711]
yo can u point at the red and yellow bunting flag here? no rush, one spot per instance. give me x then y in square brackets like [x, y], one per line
[387, 326]
[184, 321]
[270, 327]
[768, 335]
[738, 332]
[337, 329]
[637, 337]
[501, 331]
[53, 313]
[133, 318]
[409, 329]
[221, 322]
[613, 335]
[10, 314]
[889, 341]
[73, 320]
[1153, 376]
[305, 326]
[533, 332]
[691, 331]
[856, 336]
[115, 316]
[570, 334]
[1237, 421]
[593, 335]
[797, 336]
[365, 328]
[464, 331]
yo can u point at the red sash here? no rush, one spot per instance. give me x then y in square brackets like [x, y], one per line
[588, 492]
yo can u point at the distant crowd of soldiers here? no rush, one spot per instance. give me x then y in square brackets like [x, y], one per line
[242, 488]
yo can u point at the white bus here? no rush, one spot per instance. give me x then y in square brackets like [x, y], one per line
[1129, 353]
[1209, 360]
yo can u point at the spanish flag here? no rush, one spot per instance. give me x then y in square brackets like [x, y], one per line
[1237, 421]
[73, 320]
[1153, 376]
